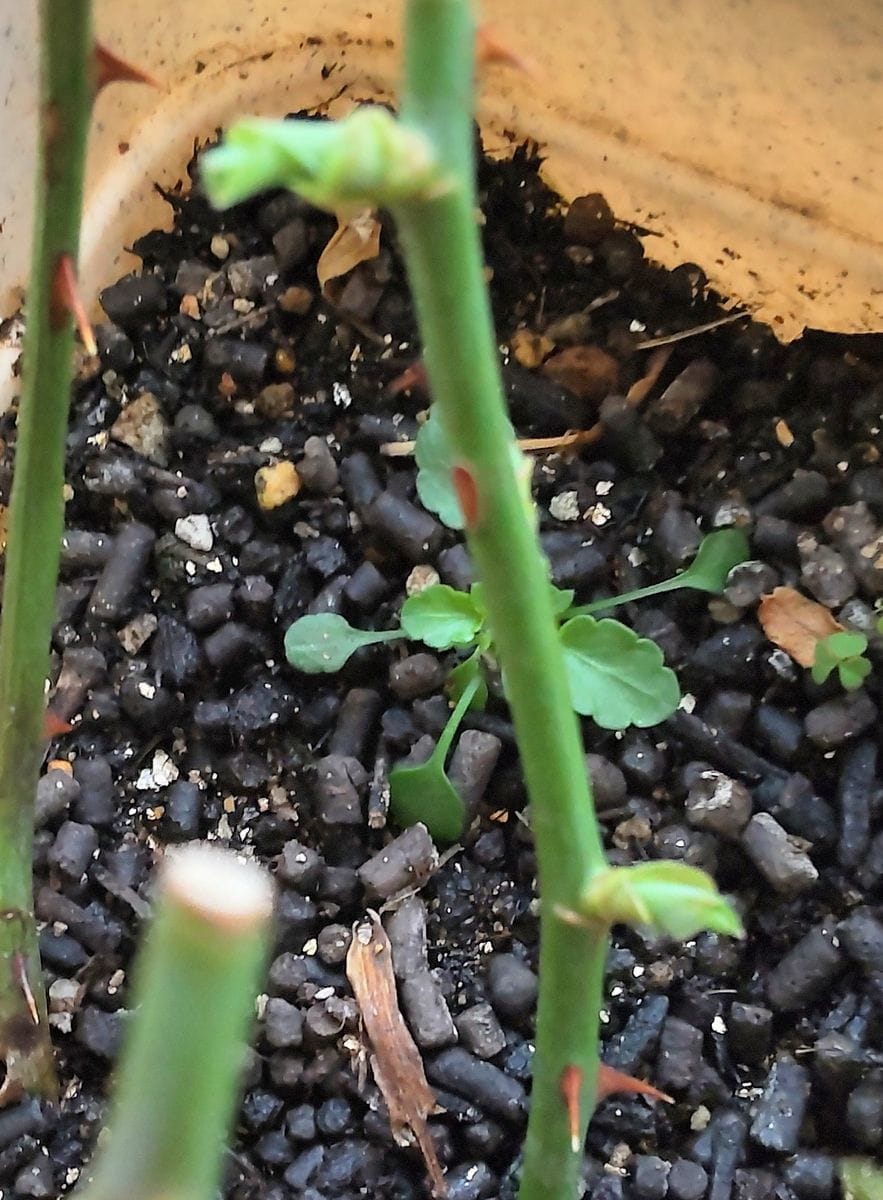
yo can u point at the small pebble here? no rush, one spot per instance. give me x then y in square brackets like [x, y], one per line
[806, 972]
[480, 1031]
[340, 786]
[481, 1082]
[650, 1177]
[122, 574]
[680, 1054]
[411, 531]
[784, 865]
[417, 675]
[856, 789]
[840, 720]
[749, 1030]
[134, 299]
[512, 986]
[276, 485]
[861, 935]
[408, 861]
[283, 1023]
[811, 1175]
[687, 1180]
[73, 849]
[684, 397]
[779, 1113]
[864, 1115]
[749, 581]
[719, 804]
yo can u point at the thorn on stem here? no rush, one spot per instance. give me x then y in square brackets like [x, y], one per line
[467, 494]
[66, 301]
[110, 68]
[491, 48]
[412, 378]
[611, 1081]
[571, 1084]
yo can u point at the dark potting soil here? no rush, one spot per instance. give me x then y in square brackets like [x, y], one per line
[220, 359]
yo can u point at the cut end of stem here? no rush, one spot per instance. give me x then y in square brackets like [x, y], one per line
[226, 892]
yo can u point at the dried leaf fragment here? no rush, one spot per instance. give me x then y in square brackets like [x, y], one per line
[795, 623]
[356, 240]
[395, 1059]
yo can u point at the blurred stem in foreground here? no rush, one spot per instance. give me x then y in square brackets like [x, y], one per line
[36, 516]
[194, 991]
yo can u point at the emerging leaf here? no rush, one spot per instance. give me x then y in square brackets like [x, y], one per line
[615, 676]
[853, 672]
[322, 642]
[671, 897]
[368, 158]
[442, 617]
[432, 453]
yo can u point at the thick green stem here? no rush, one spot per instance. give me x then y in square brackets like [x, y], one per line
[443, 254]
[194, 990]
[35, 526]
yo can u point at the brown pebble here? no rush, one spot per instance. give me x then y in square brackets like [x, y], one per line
[275, 401]
[587, 371]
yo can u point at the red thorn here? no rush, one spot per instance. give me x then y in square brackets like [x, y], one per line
[109, 68]
[571, 1084]
[412, 378]
[490, 48]
[467, 493]
[54, 726]
[611, 1081]
[66, 300]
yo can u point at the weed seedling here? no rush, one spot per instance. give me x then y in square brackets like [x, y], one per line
[844, 652]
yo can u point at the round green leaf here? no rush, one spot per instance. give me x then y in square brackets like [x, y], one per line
[853, 672]
[322, 642]
[845, 644]
[718, 553]
[615, 676]
[862, 1180]
[442, 617]
[432, 454]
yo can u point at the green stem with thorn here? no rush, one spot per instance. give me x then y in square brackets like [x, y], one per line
[36, 514]
[443, 254]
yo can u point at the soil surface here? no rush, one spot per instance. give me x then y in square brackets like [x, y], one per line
[221, 359]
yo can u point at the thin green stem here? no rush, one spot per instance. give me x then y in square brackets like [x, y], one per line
[443, 253]
[652, 589]
[443, 745]
[35, 527]
[195, 985]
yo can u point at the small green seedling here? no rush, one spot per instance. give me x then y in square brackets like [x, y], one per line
[615, 676]
[424, 791]
[845, 652]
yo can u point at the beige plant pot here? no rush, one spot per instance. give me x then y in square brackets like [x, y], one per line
[745, 134]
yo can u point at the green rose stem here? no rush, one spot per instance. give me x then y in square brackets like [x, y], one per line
[36, 515]
[422, 168]
[443, 254]
[194, 990]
